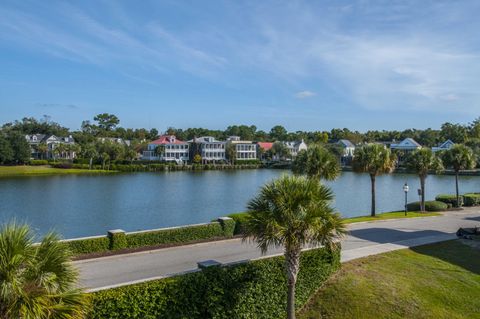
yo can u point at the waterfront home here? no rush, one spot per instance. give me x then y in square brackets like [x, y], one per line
[348, 151]
[295, 147]
[116, 140]
[407, 145]
[244, 150]
[210, 149]
[47, 146]
[444, 146]
[263, 148]
[171, 150]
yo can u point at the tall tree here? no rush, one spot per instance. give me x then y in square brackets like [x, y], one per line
[459, 158]
[422, 161]
[375, 160]
[37, 281]
[6, 152]
[293, 212]
[278, 133]
[21, 149]
[107, 121]
[317, 162]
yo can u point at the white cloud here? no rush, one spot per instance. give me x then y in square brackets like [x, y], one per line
[304, 94]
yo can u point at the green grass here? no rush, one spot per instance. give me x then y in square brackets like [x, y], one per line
[391, 215]
[13, 171]
[433, 281]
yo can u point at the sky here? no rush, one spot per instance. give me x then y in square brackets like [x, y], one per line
[306, 65]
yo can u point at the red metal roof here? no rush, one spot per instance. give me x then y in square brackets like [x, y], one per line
[265, 145]
[167, 139]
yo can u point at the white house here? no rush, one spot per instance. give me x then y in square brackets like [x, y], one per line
[210, 149]
[444, 146]
[408, 144]
[245, 150]
[295, 147]
[348, 148]
[116, 140]
[51, 142]
[174, 150]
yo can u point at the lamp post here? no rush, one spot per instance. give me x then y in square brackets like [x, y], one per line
[405, 189]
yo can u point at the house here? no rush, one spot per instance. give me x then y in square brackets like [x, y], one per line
[50, 144]
[295, 147]
[210, 149]
[116, 140]
[444, 146]
[348, 151]
[263, 148]
[172, 150]
[244, 150]
[408, 144]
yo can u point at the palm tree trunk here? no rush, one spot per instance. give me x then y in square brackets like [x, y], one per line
[372, 179]
[456, 188]
[422, 187]
[91, 162]
[292, 260]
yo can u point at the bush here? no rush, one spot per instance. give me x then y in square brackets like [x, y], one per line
[62, 165]
[252, 290]
[181, 234]
[472, 199]
[240, 219]
[88, 245]
[450, 199]
[430, 206]
[38, 162]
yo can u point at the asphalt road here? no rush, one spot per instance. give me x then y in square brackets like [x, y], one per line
[363, 240]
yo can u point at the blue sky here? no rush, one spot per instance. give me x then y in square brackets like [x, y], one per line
[307, 65]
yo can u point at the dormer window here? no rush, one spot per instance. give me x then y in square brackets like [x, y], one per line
[34, 138]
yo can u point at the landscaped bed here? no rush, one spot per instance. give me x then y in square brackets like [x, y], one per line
[441, 280]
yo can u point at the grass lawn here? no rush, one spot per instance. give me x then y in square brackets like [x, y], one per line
[391, 215]
[12, 171]
[433, 281]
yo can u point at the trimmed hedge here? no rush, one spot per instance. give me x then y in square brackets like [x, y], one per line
[472, 199]
[252, 290]
[89, 245]
[450, 200]
[38, 162]
[240, 219]
[181, 234]
[430, 206]
[184, 234]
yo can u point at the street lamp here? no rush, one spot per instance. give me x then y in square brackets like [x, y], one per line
[405, 189]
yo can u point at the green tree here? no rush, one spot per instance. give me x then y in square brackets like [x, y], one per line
[316, 162]
[159, 151]
[455, 132]
[278, 133]
[37, 281]
[459, 158]
[293, 212]
[231, 152]
[42, 149]
[90, 151]
[20, 148]
[107, 121]
[280, 150]
[422, 161]
[197, 159]
[6, 152]
[375, 160]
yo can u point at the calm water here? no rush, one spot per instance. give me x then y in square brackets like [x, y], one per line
[90, 205]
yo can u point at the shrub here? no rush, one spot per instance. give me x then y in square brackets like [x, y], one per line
[38, 162]
[472, 199]
[430, 206]
[450, 199]
[117, 239]
[240, 219]
[252, 290]
[62, 165]
[88, 245]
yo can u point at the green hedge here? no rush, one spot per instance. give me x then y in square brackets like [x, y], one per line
[38, 162]
[181, 234]
[185, 234]
[450, 200]
[472, 199]
[90, 245]
[252, 290]
[240, 219]
[430, 206]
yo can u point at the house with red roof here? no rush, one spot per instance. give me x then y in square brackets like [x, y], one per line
[171, 150]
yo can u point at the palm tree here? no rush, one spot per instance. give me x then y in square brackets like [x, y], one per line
[422, 161]
[375, 160]
[159, 150]
[42, 149]
[37, 281]
[317, 162]
[90, 152]
[293, 212]
[459, 158]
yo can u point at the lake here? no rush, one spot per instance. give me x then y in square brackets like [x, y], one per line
[82, 205]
